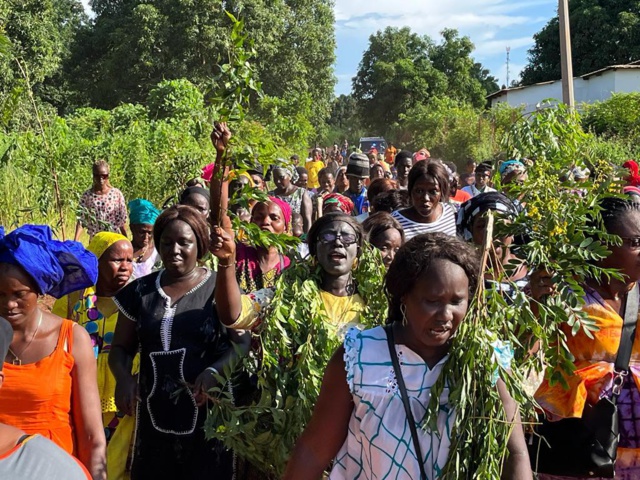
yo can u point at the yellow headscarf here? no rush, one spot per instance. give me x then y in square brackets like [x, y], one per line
[101, 242]
[234, 174]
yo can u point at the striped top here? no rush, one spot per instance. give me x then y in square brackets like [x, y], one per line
[379, 443]
[446, 223]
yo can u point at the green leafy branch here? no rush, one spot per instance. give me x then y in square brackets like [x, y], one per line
[296, 339]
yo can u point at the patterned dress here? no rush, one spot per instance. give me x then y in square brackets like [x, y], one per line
[248, 273]
[99, 315]
[103, 213]
[294, 200]
[379, 443]
[594, 360]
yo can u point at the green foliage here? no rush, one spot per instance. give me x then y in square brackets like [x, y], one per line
[619, 116]
[40, 34]
[132, 46]
[401, 69]
[555, 141]
[296, 343]
[561, 221]
[175, 98]
[344, 122]
[455, 131]
[394, 74]
[603, 33]
[150, 157]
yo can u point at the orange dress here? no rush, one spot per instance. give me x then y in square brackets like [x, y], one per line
[592, 379]
[36, 397]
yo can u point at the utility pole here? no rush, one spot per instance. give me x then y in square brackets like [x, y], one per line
[508, 72]
[565, 53]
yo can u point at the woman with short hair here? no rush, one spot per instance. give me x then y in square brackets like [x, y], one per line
[102, 207]
[171, 317]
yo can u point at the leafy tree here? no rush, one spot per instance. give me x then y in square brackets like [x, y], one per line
[394, 74]
[483, 75]
[453, 58]
[401, 69]
[344, 121]
[603, 32]
[136, 44]
[39, 36]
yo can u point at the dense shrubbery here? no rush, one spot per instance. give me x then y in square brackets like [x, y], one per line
[153, 150]
[617, 118]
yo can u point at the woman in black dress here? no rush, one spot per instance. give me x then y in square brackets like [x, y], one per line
[170, 317]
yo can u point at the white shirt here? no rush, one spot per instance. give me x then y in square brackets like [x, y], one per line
[446, 223]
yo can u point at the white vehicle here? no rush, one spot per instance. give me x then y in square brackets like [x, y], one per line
[367, 143]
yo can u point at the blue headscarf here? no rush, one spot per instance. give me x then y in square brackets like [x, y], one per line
[142, 212]
[511, 166]
[58, 268]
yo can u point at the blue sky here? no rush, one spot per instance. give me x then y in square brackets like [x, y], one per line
[492, 25]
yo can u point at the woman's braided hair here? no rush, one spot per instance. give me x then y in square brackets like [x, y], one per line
[615, 209]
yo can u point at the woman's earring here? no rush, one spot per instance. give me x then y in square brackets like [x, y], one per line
[403, 311]
[314, 262]
[355, 263]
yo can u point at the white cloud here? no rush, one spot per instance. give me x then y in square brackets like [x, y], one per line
[479, 19]
[426, 9]
[496, 47]
[492, 25]
[345, 77]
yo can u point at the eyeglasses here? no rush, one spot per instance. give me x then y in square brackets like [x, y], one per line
[633, 242]
[346, 238]
[103, 176]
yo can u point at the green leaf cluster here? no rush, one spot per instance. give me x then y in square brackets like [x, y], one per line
[401, 69]
[563, 235]
[296, 341]
[617, 117]
[456, 131]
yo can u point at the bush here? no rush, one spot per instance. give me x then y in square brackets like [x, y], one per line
[455, 131]
[152, 152]
[619, 116]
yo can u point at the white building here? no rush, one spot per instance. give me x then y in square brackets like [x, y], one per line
[592, 87]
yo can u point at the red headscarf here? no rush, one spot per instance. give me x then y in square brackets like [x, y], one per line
[346, 205]
[286, 210]
[633, 179]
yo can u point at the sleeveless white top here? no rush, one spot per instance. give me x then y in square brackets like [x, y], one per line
[379, 443]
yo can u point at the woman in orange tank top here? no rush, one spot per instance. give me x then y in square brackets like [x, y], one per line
[50, 383]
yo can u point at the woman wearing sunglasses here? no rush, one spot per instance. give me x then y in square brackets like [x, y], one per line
[335, 243]
[102, 207]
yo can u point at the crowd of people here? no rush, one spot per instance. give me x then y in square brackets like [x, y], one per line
[113, 381]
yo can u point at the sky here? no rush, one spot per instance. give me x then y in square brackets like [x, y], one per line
[492, 25]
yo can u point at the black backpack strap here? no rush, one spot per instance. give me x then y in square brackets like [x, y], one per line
[627, 338]
[405, 398]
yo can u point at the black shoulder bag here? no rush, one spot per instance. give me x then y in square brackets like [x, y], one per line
[405, 399]
[587, 446]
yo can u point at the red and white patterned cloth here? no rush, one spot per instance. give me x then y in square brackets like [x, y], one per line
[103, 213]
